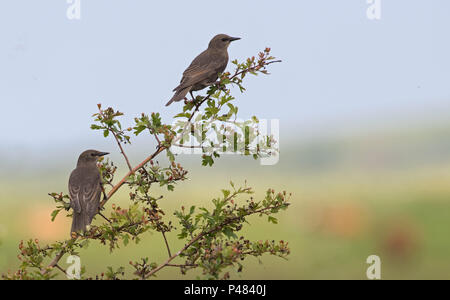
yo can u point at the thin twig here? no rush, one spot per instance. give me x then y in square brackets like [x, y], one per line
[182, 266]
[253, 68]
[167, 244]
[174, 256]
[121, 150]
[109, 221]
[61, 269]
[157, 139]
[118, 143]
[131, 172]
[54, 262]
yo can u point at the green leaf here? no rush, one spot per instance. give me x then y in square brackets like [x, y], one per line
[126, 239]
[183, 115]
[54, 214]
[170, 155]
[96, 127]
[273, 220]
[229, 233]
[207, 160]
[226, 193]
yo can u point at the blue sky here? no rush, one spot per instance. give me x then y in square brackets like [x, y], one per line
[340, 71]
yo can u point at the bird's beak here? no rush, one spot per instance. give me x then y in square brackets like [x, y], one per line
[99, 154]
[234, 39]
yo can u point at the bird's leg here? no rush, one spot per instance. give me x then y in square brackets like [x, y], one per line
[192, 96]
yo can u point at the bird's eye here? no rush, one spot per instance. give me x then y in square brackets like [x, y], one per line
[92, 154]
[224, 39]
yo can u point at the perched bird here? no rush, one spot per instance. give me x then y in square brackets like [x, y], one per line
[205, 68]
[85, 189]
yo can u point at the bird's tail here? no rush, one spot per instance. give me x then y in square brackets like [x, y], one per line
[80, 221]
[179, 95]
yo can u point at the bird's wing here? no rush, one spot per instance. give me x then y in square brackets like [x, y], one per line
[198, 77]
[85, 196]
[74, 191]
[202, 67]
[199, 63]
[91, 198]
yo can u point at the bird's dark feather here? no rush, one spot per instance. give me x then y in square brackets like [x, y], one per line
[85, 193]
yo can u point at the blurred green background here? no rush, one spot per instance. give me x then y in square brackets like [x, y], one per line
[384, 193]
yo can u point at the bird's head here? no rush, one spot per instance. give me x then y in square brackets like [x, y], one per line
[90, 156]
[222, 41]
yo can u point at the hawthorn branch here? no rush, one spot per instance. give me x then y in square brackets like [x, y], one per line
[160, 148]
[121, 150]
[208, 232]
[54, 262]
[167, 244]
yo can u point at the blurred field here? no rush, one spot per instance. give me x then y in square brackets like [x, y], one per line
[387, 194]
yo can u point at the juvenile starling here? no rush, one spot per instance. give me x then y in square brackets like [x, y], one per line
[205, 68]
[85, 189]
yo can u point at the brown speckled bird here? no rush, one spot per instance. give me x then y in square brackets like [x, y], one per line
[205, 68]
[85, 189]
